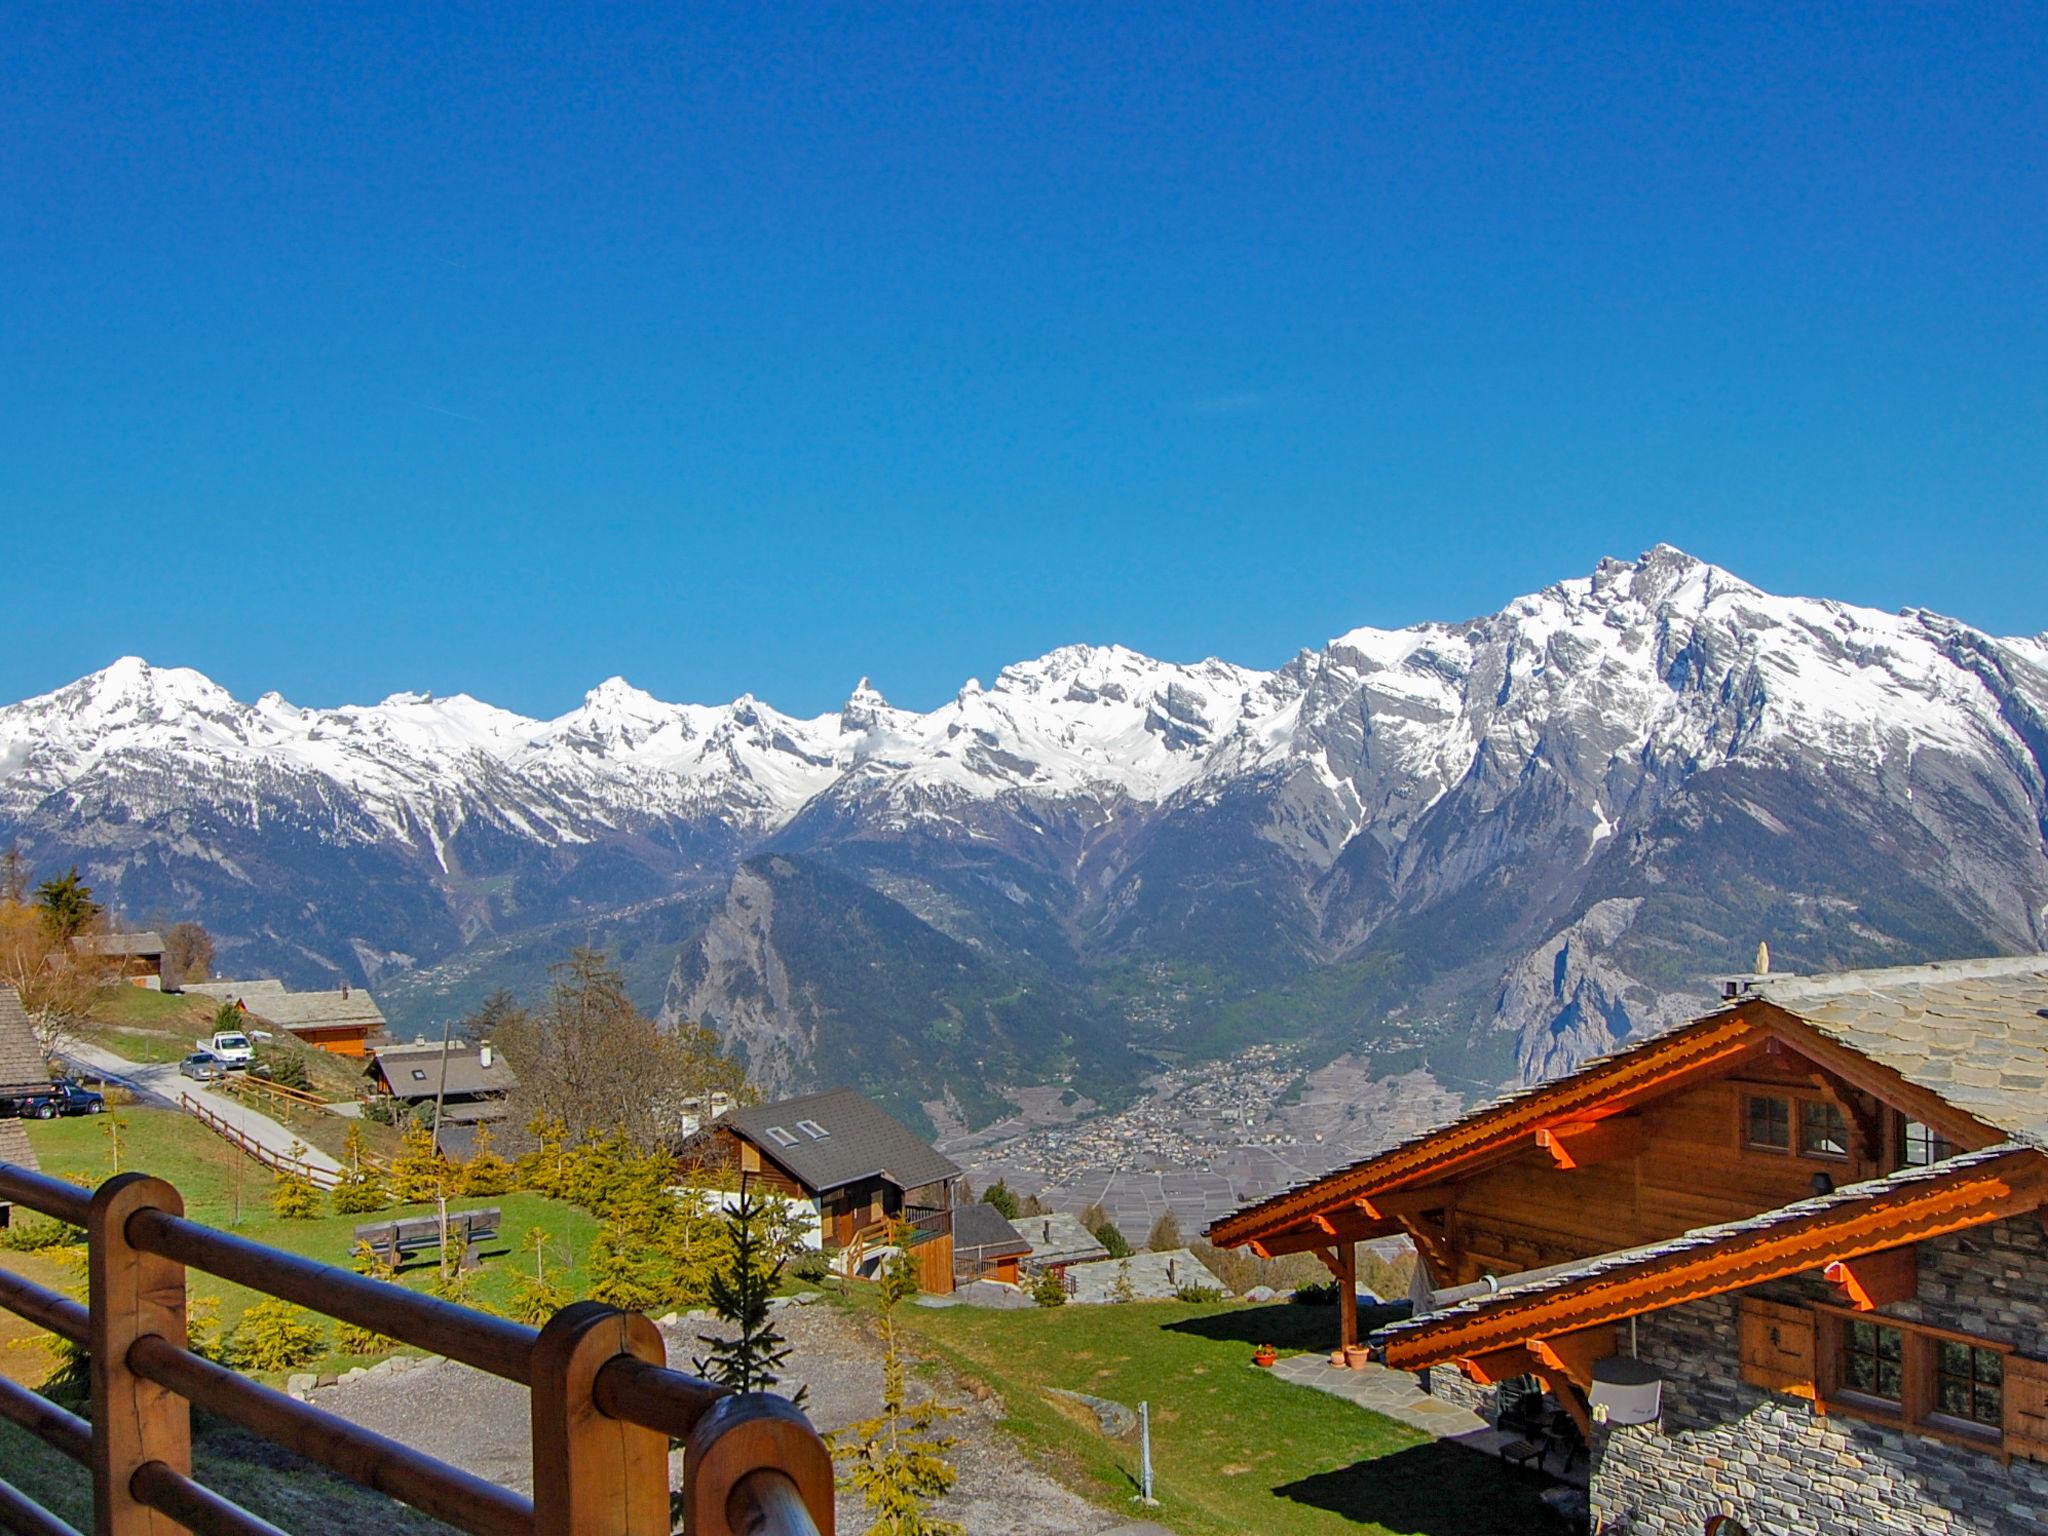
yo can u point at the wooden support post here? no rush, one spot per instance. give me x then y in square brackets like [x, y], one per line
[728, 1449]
[1877, 1279]
[594, 1475]
[132, 1294]
[1347, 1293]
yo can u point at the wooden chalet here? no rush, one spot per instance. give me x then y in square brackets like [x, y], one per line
[470, 1079]
[345, 1021]
[859, 1167]
[1788, 1258]
[136, 955]
[985, 1245]
[22, 1070]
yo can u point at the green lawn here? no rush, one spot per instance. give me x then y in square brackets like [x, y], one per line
[1233, 1448]
[147, 1026]
[225, 1189]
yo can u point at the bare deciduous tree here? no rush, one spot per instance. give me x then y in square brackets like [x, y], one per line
[188, 953]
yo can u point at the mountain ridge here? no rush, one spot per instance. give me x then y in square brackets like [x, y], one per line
[1383, 838]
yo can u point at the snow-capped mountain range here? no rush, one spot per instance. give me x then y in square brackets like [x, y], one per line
[1522, 772]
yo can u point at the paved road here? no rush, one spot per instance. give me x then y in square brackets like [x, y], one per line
[160, 1083]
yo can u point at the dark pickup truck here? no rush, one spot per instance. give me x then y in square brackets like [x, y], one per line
[62, 1097]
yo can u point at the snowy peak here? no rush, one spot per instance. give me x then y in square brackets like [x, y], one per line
[1665, 659]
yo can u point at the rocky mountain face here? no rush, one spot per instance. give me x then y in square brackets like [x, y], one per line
[1494, 847]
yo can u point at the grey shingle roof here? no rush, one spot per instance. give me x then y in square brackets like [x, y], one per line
[143, 942]
[270, 1000]
[1562, 1276]
[467, 1075]
[981, 1226]
[860, 1141]
[1973, 1031]
[21, 1060]
[14, 1146]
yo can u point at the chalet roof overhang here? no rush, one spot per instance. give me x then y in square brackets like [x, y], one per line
[1908, 1207]
[1379, 1196]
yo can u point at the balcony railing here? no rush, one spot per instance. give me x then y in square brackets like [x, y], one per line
[604, 1406]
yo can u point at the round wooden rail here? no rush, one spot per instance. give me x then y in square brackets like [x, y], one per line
[768, 1503]
[59, 1428]
[26, 1518]
[489, 1343]
[193, 1505]
[46, 1309]
[654, 1397]
[447, 1493]
[40, 1192]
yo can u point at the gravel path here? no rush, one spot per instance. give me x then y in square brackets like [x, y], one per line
[479, 1423]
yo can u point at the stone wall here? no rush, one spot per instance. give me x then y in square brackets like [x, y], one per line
[1723, 1447]
[1448, 1383]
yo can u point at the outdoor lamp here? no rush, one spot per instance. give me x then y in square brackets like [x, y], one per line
[1630, 1391]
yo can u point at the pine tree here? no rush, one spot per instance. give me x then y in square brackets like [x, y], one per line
[1113, 1241]
[1123, 1290]
[360, 1188]
[348, 1338]
[1003, 1198]
[536, 1298]
[543, 1169]
[418, 1175]
[1049, 1290]
[293, 1196]
[898, 1459]
[274, 1335]
[486, 1173]
[739, 1293]
[67, 905]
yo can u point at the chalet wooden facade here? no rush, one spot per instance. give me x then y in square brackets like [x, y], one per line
[345, 1021]
[1817, 1212]
[860, 1169]
[22, 1071]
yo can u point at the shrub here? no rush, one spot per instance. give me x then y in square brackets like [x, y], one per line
[1003, 1198]
[37, 1234]
[419, 1173]
[350, 1339]
[273, 1336]
[1113, 1241]
[293, 1196]
[1319, 1293]
[1165, 1234]
[1049, 1290]
[1202, 1294]
[813, 1264]
[486, 1173]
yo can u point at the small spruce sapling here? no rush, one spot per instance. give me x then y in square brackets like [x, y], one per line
[293, 1196]
[348, 1338]
[739, 1294]
[898, 1459]
[360, 1189]
[274, 1335]
[536, 1298]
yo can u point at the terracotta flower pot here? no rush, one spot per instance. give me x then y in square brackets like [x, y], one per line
[1337, 1359]
[1357, 1356]
[1264, 1358]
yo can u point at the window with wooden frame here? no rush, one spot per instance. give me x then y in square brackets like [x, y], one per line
[1794, 1124]
[1922, 1146]
[1968, 1391]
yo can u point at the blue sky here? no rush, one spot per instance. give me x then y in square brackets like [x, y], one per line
[500, 349]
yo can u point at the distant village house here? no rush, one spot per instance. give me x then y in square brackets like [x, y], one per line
[343, 1022]
[137, 957]
[471, 1081]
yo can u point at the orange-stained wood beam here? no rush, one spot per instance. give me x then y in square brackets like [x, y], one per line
[1572, 1354]
[1408, 1205]
[2011, 1185]
[1566, 1391]
[1261, 1249]
[1500, 1365]
[1877, 1279]
[1329, 1228]
[1584, 1143]
[1697, 1052]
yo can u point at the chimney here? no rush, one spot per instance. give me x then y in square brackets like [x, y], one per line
[344, 991]
[485, 1056]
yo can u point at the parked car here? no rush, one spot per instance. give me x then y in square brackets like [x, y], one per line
[229, 1047]
[63, 1097]
[203, 1065]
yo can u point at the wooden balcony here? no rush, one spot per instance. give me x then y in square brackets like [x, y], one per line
[604, 1405]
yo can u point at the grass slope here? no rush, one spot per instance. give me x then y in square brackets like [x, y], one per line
[1233, 1448]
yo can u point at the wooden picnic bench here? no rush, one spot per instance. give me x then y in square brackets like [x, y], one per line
[397, 1241]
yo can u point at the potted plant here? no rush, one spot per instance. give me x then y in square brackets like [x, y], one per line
[1264, 1356]
[1357, 1356]
[1337, 1359]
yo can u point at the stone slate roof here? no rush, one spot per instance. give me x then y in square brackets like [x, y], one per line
[1564, 1276]
[414, 1071]
[269, 1000]
[981, 1226]
[1059, 1238]
[1973, 1031]
[860, 1141]
[143, 943]
[14, 1147]
[21, 1059]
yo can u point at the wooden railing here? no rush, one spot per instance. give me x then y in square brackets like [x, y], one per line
[283, 1162]
[603, 1405]
[248, 1085]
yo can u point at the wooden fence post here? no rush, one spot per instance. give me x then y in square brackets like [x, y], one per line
[741, 1435]
[594, 1475]
[132, 1294]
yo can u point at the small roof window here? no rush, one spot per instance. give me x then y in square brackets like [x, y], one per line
[419, 1074]
[812, 1129]
[780, 1137]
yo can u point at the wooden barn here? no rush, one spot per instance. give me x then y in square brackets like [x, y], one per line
[860, 1167]
[1791, 1249]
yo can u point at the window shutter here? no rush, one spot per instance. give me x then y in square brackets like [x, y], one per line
[1777, 1347]
[2026, 1407]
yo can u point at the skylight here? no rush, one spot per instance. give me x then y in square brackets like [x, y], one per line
[812, 1129]
[780, 1137]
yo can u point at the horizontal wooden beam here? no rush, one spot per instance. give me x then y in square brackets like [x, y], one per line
[1407, 1205]
[1585, 1143]
[1573, 1355]
[2011, 1185]
[1877, 1279]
